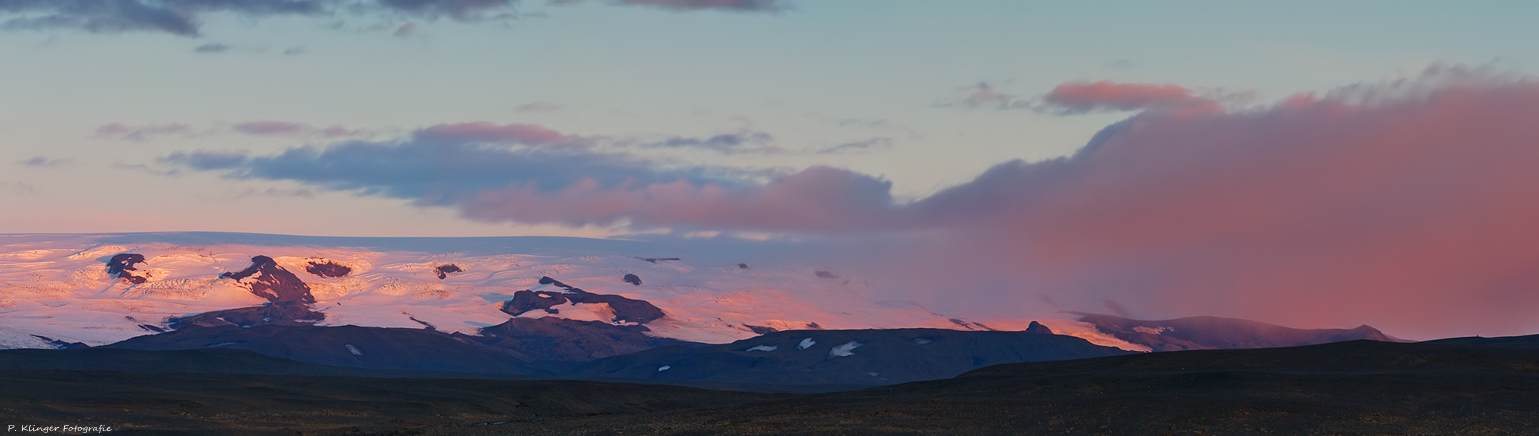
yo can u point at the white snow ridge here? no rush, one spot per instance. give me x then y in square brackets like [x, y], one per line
[844, 350]
[763, 348]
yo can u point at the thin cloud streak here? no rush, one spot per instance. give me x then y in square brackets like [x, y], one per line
[185, 17]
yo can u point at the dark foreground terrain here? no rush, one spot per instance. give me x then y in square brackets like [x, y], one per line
[1457, 387]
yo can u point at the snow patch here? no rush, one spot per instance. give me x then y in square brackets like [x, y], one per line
[1151, 330]
[763, 348]
[921, 341]
[844, 350]
[354, 350]
[663, 368]
[806, 343]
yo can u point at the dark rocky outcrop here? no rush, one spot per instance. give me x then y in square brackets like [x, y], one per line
[272, 282]
[657, 259]
[62, 345]
[560, 339]
[443, 271]
[762, 330]
[632, 279]
[1038, 328]
[526, 300]
[742, 266]
[289, 300]
[625, 309]
[328, 269]
[120, 265]
[825, 275]
[1209, 332]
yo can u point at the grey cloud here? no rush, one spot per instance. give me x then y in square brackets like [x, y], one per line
[728, 143]
[212, 48]
[438, 172]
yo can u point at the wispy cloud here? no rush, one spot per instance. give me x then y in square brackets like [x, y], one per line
[870, 144]
[212, 48]
[183, 17]
[727, 143]
[984, 96]
[538, 106]
[287, 128]
[43, 162]
[142, 132]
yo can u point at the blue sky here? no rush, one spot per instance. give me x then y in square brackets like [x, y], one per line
[810, 75]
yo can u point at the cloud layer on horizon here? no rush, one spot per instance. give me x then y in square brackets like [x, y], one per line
[1407, 205]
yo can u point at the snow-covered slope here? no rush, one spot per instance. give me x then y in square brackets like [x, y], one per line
[60, 287]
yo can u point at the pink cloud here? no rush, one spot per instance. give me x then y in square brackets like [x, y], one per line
[1411, 211]
[1104, 95]
[481, 131]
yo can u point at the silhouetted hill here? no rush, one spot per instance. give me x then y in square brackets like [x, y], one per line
[840, 359]
[344, 346]
[1356, 387]
[561, 339]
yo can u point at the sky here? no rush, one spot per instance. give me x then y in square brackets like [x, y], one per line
[1321, 164]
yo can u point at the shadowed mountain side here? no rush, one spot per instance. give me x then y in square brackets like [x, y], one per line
[285, 313]
[1356, 387]
[345, 346]
[1209, 332]
[209, 360]
[561, 339]
[257, 404]
[840, 358]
